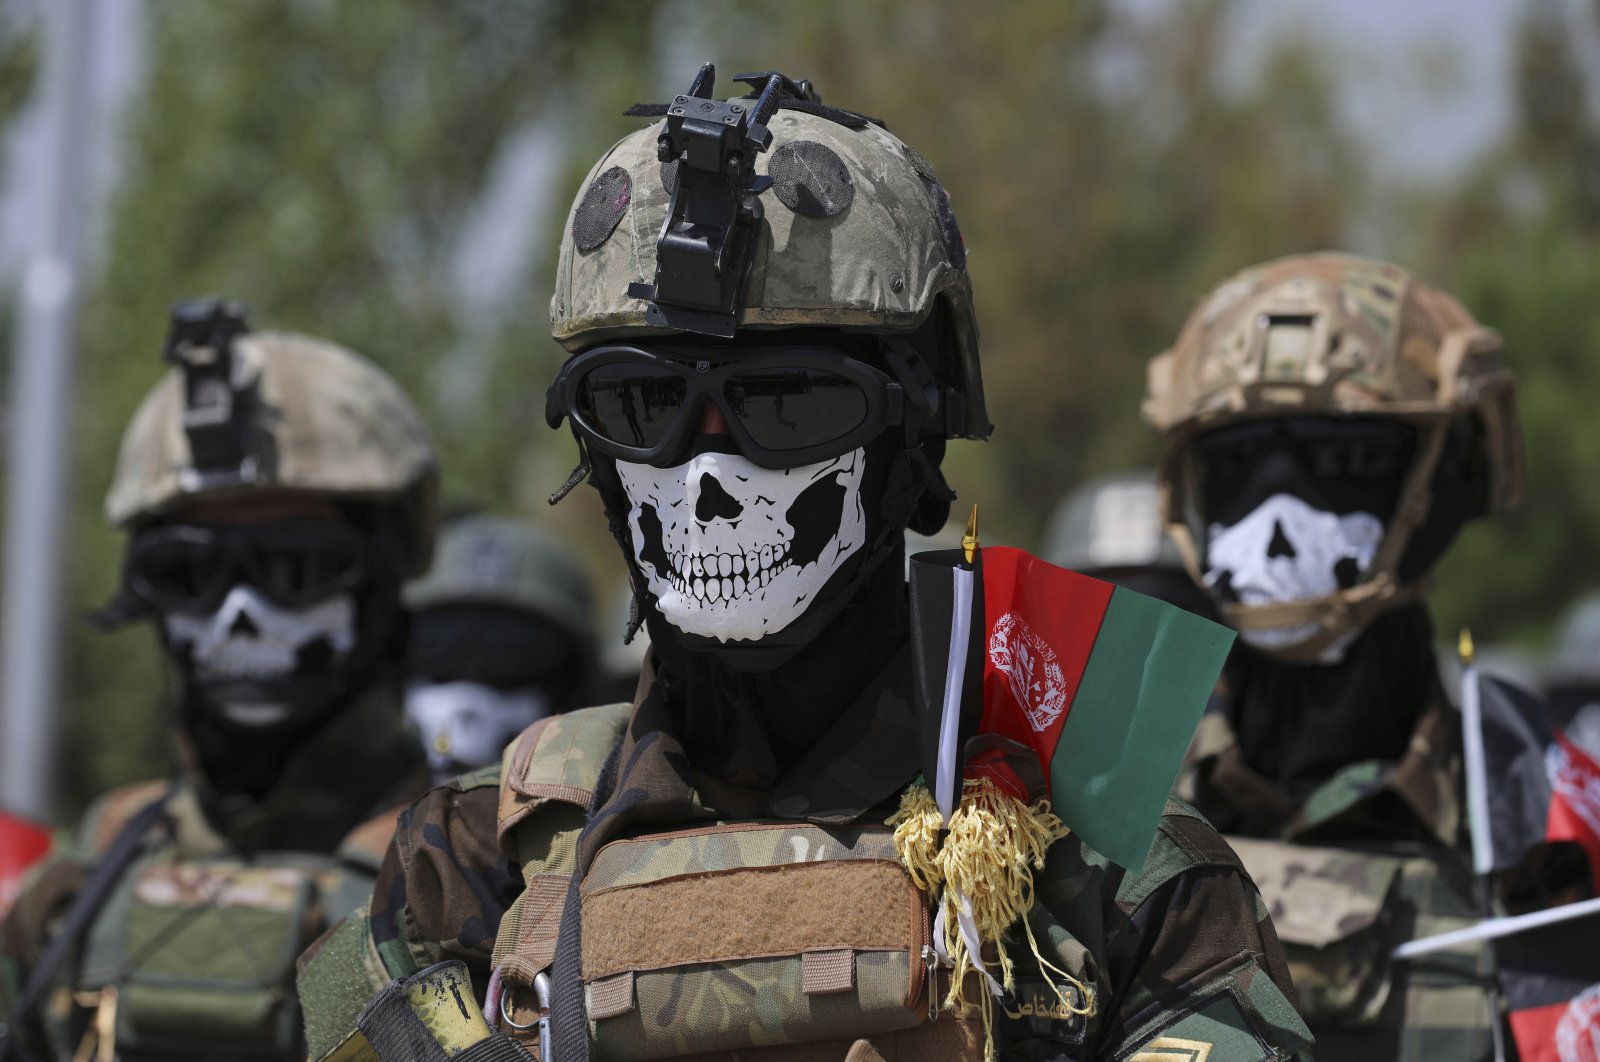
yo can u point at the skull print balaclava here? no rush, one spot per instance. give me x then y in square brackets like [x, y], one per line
[253, 658]
[735, 552]
[816, 610]
[1284, 550]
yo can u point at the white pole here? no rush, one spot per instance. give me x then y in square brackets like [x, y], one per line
[1495, 928]
[41, 413]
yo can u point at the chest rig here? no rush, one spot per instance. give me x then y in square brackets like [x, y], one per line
[193, 954]
[777, 941]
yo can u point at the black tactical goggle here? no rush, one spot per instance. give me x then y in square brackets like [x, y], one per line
[295, 564]
[1326, 448]
[784, 406]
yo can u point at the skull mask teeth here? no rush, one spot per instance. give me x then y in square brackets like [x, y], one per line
[251, 642]
[1287, 550]
[735, 552]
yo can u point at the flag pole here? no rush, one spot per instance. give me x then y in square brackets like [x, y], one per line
[1495, 928]
[1478, 825]
[947, 786]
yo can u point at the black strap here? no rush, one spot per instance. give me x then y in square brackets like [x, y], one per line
[84, 907]
[848, 119]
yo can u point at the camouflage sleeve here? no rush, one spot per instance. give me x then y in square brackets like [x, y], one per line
[440, 893]
[1182, 959]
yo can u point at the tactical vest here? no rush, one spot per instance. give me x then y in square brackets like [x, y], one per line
[193, 954]
[761, 941]
[1340, 912]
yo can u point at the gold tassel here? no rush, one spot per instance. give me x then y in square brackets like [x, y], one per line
[994, 844]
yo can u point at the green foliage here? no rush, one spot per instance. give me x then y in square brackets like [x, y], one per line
[1517, 244]
[319, 161]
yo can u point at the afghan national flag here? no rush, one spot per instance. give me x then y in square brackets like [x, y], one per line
[1551, 979]
[1104, 684]
[1540, 787]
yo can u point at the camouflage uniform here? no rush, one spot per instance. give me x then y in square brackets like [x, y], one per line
[192, 953]
[1150, 944]
[726, 921]
[1373, 855]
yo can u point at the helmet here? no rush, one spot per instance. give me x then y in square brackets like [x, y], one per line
[1111, 522]
[1335, 335]
[884, 261]
[266, 411]
[496, 560]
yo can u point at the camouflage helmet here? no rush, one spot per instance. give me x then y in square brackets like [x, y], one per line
[1112, 521]
[1332, 334]
[497, 560]
[242, 412]
[854, 232]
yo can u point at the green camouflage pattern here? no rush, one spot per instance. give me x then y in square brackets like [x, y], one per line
[1369, 860]
[194, 950]
[880, 265]
[728, 846]
[326, 422]
[1190, 926]
[497, 560]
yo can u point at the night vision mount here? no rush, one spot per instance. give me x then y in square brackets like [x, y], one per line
[217, 407]
[704, 252]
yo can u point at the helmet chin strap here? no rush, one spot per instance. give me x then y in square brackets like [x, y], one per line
[1337, 616]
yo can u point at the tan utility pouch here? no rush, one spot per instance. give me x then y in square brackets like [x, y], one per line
[1332, 910]
[206, 956]
[747, 935]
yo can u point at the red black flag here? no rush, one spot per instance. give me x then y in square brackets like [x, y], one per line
[1551, 978]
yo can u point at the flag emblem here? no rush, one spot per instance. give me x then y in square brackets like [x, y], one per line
[1030, 664]
[1578, 1034]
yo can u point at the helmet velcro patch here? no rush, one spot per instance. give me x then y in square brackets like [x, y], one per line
[603, 204]
[811, 179]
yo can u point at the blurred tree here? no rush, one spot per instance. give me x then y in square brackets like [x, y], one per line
[319, 161]
[1517, 242]
[1104, 179]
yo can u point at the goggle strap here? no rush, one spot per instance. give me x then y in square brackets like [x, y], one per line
[579, 474]
[124, 608]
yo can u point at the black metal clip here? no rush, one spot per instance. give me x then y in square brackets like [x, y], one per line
[215, 412]
[704, 252]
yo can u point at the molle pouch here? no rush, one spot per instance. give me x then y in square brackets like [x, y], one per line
[750, 935]
[1334, 915]
[208, 956]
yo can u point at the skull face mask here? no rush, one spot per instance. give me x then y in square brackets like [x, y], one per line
[250, 656]
[735, 552]
[467, 724]
[1286, 550]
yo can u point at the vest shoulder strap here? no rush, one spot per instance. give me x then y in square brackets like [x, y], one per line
[547, 781]
[559, 758]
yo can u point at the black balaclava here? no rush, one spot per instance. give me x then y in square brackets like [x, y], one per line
[1299, 724]
[752, 705]
[240, 761]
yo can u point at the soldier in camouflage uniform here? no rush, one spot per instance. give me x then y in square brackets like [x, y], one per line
[502, 634]
[1331, 423]
[705, 873]
[276, 491]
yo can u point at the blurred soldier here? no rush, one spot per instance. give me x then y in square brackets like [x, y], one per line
[1331, 423]
[761, 444]
[276, 490]
[502, 634]
[1111, 528]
